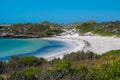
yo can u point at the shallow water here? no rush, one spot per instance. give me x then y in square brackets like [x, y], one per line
[28, 47]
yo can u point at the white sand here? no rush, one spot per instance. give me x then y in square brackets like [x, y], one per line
[96, 44]
[75, 45]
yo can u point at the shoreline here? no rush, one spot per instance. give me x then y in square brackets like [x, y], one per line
[96, 44]
[73, 47]
[76, 44]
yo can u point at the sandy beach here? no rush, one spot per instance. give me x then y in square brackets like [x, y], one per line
[97, 44]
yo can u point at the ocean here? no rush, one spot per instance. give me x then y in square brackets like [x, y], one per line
[29, 47]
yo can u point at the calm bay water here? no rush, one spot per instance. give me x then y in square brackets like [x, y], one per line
[28, 47]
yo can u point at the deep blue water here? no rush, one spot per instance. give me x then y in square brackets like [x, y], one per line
[28, 47]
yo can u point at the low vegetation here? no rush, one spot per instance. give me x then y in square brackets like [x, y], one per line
[112, 53]
[44, 29]
[104, 28]
[75, 66]
[47, 29]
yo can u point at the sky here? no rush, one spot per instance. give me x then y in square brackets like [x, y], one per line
[58, 11]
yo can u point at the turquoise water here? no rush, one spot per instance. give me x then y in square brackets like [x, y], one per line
[28, 47]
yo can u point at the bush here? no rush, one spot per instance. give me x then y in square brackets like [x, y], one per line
[96, 28]
[112, 53]
[80, 55]
[18, 63]
[2, 67]
[107, 71]
[31, 72]
[19, 76]
[1, 78]
[63, 65]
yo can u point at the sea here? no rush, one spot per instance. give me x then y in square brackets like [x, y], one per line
[29, 47]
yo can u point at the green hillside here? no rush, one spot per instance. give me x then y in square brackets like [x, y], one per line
[43, 29]
[104, 28]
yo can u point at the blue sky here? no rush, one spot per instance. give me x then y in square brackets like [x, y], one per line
[59, 11]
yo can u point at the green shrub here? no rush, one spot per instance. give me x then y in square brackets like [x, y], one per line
[1, 78]
[107, 71]
[19, 76]
[112, 53]
[31, 72]
[63, 65]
